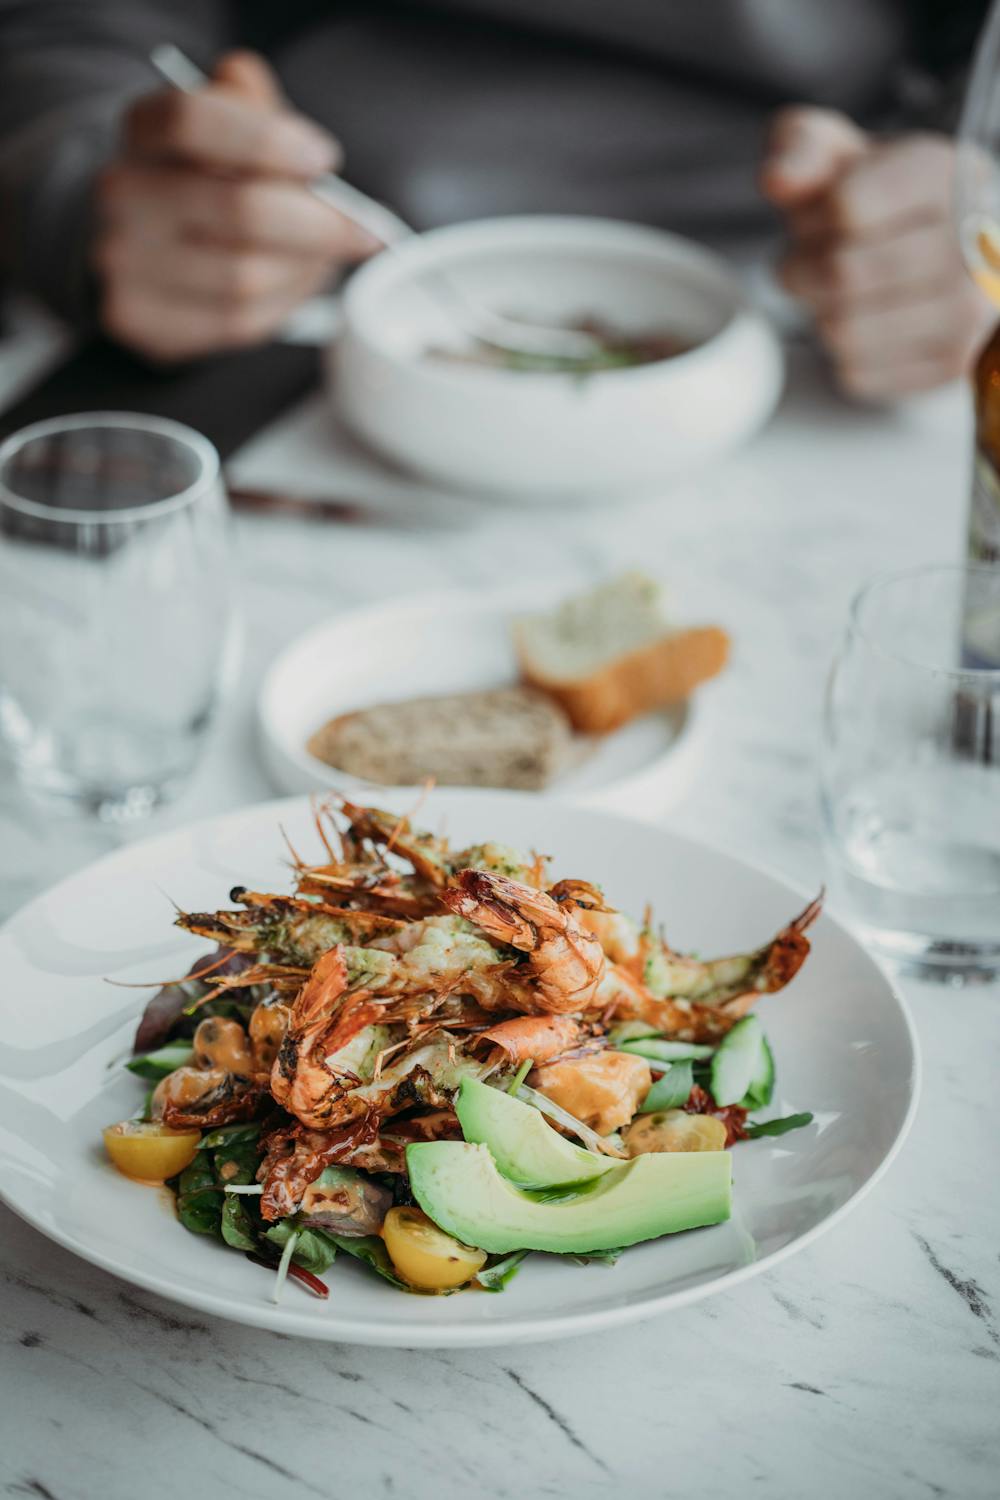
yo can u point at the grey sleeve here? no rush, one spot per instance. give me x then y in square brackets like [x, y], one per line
[67, 70]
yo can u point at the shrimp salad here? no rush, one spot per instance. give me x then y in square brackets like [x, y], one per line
[437, 1062]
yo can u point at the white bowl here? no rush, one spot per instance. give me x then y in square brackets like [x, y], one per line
[450, 643]
[552, 435]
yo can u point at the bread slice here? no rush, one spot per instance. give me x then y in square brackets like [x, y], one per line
[510, 737]
[609, 655]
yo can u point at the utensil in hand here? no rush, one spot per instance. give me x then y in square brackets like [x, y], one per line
[469, 317]
[911, 771]
[114, 608]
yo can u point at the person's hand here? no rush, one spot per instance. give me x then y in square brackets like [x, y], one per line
[874, 253]
[208, 236]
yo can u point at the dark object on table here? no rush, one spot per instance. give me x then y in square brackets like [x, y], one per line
[229, 398]
[282, 503]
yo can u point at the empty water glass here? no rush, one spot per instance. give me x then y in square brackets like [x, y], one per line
[114, 607]
[911, 771]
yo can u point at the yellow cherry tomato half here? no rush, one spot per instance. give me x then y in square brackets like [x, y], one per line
[424, 1255]
[149, 1151]
[674, 1130]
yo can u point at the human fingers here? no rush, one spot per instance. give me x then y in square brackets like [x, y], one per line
[167, 326]
[219, 129]
[873, 347]
[248, 74]
[908, 182]
[155, 201]
[827, 274]
[219, 274]
[888, 382]
[806, 150]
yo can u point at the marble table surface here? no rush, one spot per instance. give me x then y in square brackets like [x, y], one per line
[870, 1363]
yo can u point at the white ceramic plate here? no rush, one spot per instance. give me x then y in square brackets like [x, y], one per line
[450, 643]
[844, 1047]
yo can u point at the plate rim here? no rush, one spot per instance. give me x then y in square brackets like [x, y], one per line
[274, 1318]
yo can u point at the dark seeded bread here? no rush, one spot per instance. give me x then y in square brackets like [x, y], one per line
[510, 737]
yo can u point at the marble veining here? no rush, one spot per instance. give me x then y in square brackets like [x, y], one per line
[870, 1363]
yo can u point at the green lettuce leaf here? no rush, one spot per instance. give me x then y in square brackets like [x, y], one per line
[777, 1127]
[671, 1090]
[314, 1250]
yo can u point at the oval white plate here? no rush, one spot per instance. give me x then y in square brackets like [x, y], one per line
[449, 643]
[843, 1044]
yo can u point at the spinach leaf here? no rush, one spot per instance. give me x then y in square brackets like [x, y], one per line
[371, 1249]
[671, 1090]
[314, 1250]
[494, 1278]
[202, 1206]
[227, 1006]
[156, 1065]
[230, 1135]
[166, 1015]
[199, 1197]
[778, 1127]
[237, 1164]
[237, 1226]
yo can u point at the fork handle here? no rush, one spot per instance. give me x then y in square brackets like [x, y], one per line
[362, 210]
[177, 68]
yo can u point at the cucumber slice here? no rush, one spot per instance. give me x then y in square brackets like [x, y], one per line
[738, 1061]
[156, 1065]
[659, 1050]
[628, 1031]
[758, 1095]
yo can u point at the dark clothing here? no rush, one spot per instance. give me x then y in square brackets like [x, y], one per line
[652, 110]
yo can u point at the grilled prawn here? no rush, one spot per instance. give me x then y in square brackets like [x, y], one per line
[563, 963]
[333, 1062]
[288, 929]
[699, 1000]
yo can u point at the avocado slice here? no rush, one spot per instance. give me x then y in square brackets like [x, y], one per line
[524, 1146]
[457, 1184]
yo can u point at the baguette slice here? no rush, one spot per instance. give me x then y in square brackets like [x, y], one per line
[609, 656]
[509, 737]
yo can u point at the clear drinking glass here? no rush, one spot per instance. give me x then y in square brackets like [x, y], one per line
[114, 607]
[911, 771]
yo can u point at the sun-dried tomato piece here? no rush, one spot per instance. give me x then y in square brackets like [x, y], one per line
[733, 1116]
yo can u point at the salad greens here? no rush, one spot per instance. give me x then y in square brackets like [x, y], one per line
[228, 1157]
[156, 1065]
[495, 1277]
[671, 1090]
[778, 1127]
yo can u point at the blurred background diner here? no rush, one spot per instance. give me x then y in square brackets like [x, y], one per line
[181, 225]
